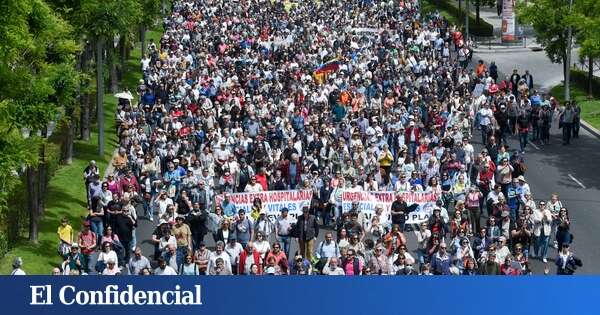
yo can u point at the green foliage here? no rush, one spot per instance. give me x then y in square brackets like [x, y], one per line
[150, 11]
[590, 108]
[586, 20]
[550, 20]
[107, 18]
[457, 17]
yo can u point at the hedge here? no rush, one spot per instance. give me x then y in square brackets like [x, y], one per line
[580, 79]
[455, 16]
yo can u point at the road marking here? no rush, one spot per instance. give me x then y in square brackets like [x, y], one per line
[533, 145]
[575, 180]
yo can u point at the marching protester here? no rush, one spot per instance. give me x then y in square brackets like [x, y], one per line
[320, 105]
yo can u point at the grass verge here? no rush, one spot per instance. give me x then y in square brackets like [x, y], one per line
[590, 108]
[66, 191]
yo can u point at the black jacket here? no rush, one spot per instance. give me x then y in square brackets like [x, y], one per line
[307, 227]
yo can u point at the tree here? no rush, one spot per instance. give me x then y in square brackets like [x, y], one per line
[151, 10]
[34, 42]
[102, 20]
[478, 4]
[550, 21]
[586, 20]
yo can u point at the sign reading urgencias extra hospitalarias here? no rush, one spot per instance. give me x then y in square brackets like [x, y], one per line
[508, 20]
[272, 201]
[422, 203]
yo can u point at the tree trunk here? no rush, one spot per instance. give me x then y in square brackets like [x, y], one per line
[143, 40]
[112, 67]
[477, 5]
[460, 6]
[32, 204]
[42, 175]
[85, 116]
[100, 93]
[122, 51]
[86, 56]
[590, 76]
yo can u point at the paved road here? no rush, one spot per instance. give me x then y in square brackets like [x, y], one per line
[551, 169]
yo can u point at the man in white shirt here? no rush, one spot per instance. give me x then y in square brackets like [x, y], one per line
[164, 269]
[328, 248]
[332, 268]
[220, 253]
[485, 120]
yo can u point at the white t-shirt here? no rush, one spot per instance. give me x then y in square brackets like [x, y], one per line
[168, 271]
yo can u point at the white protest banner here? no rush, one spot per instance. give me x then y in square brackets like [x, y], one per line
[422, 202]
[273, 201]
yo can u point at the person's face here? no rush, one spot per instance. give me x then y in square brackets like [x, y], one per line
[443, 248]
[162, 264]
[219, 249]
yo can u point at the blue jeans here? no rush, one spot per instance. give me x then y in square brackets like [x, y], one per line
[284, 241]
[523, 140]
[541, 245]
[98, 228]
[484, 134]
[421, 255]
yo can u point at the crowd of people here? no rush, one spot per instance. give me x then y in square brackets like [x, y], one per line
[254, 96]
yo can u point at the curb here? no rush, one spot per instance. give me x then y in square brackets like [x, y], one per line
[590, 129]
[502, 50]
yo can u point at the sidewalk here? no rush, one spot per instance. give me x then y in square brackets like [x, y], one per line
[495, 45]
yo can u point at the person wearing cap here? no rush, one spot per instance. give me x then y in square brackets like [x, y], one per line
[183, 234]
[75, 260]
[307, 230]
[162, 228]
[88, 242]
[263, 225]
[242, 228]
[523, 189]
[89, 173]
[489, 265]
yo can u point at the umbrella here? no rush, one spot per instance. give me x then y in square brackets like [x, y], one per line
[124, 95]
